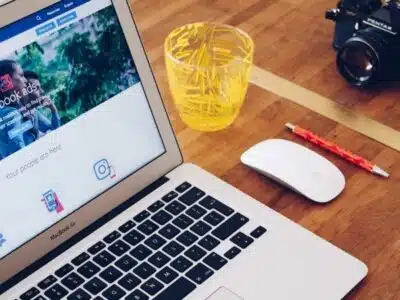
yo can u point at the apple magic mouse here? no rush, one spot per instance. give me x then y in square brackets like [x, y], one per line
[297, 168]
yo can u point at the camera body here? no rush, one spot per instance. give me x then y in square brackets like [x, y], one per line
[367, 40]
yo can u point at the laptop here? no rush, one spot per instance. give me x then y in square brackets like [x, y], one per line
[97, 202]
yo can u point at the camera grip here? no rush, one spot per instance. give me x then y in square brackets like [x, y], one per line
[343, 31]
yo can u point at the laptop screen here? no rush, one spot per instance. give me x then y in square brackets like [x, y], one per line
[74, 118]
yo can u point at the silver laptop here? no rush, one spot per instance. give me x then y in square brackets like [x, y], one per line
[96, 201]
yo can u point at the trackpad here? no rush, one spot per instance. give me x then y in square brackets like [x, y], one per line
[224, 294]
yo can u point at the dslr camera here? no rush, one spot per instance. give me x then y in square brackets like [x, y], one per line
[367, 40]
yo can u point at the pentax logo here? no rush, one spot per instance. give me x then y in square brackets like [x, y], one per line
[378, 24]
[6, 83]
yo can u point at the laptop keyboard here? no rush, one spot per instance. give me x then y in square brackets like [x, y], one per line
[163, 253]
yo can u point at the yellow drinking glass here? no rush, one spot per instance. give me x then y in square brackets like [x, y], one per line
[208, 68]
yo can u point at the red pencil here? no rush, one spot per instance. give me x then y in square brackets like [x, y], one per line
[355, 159]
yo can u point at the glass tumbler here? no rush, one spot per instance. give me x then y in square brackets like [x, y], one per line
[208, 67]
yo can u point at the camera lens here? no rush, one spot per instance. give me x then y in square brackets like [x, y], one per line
[358, 63]
[368, 57]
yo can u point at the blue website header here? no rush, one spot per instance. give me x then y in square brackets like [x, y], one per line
[42, 17]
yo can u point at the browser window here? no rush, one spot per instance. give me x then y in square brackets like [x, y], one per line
[74, 118]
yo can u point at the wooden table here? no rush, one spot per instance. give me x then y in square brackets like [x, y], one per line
[294, 41]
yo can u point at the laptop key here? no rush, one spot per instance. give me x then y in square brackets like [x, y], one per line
[72, 281]
[127, 226]
[114, 293]
[141, 216]
[181, 264]
[178, 290]
[242, 240]
[144, 270]
[175, 208]
[230, 226]
[129, 282]
[30, 294]
[258, 232]
[56, 292]
[137, 295]
[200, 273]
[40, 298]
[126, 263]
[169, 231]
[212, 203]
[99, 298]
[112, 237]
[195, 253]
[134, 237]
[95, 286]
[119, 248]
[152, 286]
[162, 217]
[159, 260]
[200, 228]
[110, 274]
[155, 242]
[80, 259]
[47, 282]
[88, 270]
[196, 212]
[183, 187]
[187, 238]
[173, 249]
[232, 253]
[167, 275]
[148, 227]
[104, 258]
[192, 196]
[209, 242]
[79, 295]
[214, 218]
[96, 248]
[64, 270]
[183, 221]
[215, 261]
[141, 252]
[155, 206]
[170, 196]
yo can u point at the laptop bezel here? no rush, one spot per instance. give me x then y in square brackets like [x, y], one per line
[76, 222]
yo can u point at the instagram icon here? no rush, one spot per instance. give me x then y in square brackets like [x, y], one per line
[103, 169]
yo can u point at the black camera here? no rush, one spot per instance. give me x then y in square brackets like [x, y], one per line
[367, 40]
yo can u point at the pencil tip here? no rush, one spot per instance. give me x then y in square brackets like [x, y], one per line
[380, 171]
[290, 126]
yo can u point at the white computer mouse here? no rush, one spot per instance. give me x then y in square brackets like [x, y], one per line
[297, 168]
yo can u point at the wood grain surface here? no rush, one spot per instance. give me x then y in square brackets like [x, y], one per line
[294, 41]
